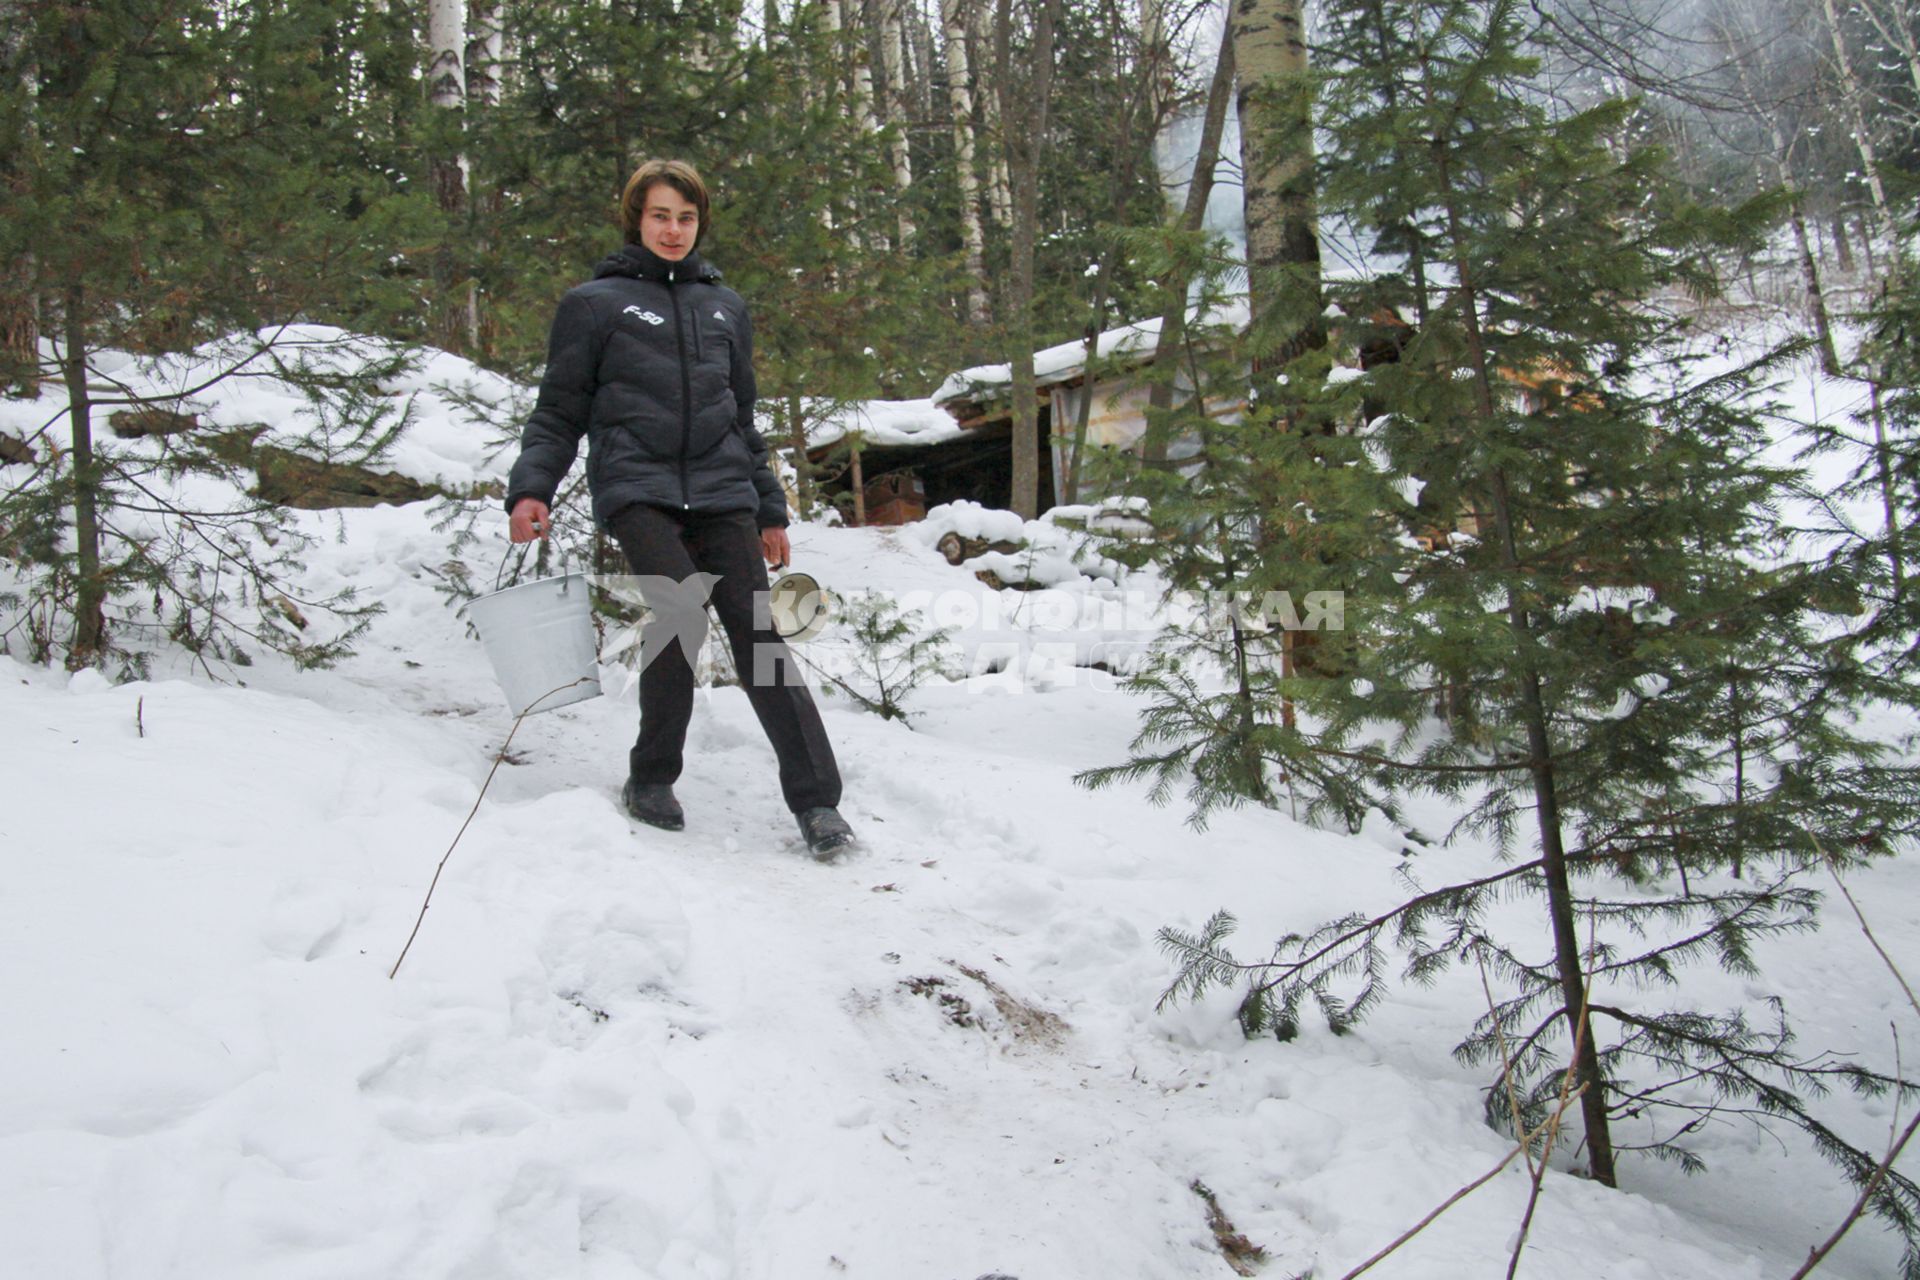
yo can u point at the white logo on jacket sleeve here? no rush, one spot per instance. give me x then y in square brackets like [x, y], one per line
[648, 316]
[721, 317]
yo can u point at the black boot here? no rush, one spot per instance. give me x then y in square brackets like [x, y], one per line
[825, 830]
[653, 804]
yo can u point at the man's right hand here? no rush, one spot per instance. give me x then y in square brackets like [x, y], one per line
[530, 520]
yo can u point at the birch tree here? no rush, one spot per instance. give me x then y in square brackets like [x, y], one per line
[895, 107]
[714, 31]
[484, 65]
[851, 16]
[954, 16]
[485, 52]
[1781, 161]
[848, 29]
[1276, 147]
[455, 308]
[999, 187]
[1897, 23]
[447, 90]
[1186, 225]
[1894, 21]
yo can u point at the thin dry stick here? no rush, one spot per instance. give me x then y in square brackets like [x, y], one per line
[1566, 1082]
[1539, 1176]
[498, 760]
[1818, 1255]
[1833, 869]
[1526, 1141]
[1506, 1057]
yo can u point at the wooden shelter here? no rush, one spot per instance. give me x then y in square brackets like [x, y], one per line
[902, 457]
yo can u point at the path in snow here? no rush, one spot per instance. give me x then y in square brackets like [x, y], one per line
[615, 1052]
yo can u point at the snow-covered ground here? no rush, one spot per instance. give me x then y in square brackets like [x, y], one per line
[618, 1052]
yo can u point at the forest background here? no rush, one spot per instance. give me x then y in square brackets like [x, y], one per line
[904, 189]
[1570, 192]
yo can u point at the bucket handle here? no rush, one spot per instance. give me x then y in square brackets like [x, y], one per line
[519, 560]
[515, 560]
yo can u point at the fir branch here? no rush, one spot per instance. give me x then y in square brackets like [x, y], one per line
[187, 393]
[1335, 949]
[1419, 766]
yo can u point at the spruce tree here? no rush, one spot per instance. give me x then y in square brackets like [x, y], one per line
[192, 181]
[801, 196]
[1549, 524]
[1216, 684]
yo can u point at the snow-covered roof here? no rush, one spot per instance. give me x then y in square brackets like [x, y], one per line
[1064, 363]
[885, 422]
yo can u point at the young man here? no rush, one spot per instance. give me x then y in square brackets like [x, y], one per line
[653, 361]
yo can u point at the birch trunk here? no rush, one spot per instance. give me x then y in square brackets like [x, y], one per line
[893, 107]
[852, 20]
[1852, 96]
[484, 62]
[1743, 45]
[714, 38]
[835, 213]
[954, 17]
[1173, 319]
[1898, 33]
[999, 186]
[453, 307]
[447, 84]
[1810, 279]
[1276, 148]
[485, 44]
[1897, 21]
[1810, 270]
[1152, 24]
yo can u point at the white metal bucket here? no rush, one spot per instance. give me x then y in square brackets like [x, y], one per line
[539, 638]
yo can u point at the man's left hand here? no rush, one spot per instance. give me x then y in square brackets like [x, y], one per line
[774, 546]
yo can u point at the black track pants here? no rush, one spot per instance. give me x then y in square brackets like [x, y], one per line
[673, 548]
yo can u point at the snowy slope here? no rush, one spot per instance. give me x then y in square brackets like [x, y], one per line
[229, 384]
[617, 1052]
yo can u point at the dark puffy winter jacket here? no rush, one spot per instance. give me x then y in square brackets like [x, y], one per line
[653, 361]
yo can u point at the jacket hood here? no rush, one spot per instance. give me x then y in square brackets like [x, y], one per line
[642, 263]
